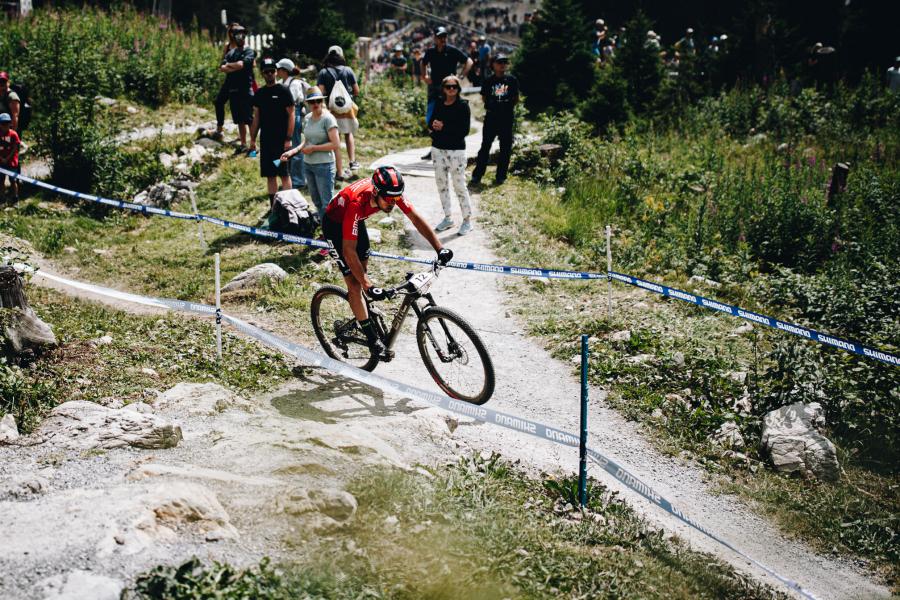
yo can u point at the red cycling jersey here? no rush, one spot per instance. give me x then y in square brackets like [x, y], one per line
[354, 204]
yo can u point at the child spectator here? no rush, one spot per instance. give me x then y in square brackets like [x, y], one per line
[9, 154]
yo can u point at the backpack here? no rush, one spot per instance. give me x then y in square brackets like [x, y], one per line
[25, 108]
[290, 214]
[339, 101]
[300, 103]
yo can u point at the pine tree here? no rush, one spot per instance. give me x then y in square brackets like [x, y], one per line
[639, 64]
[554, 63]
[310, 27]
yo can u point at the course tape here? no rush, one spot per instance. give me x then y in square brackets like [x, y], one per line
[479, 413]
[736, 311]
[806, 333]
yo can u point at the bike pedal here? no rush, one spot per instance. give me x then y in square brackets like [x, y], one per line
[387, 356]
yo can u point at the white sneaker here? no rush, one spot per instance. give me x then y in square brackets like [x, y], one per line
[466, 227]
[444, 225]
[354, 166]
[347, 174]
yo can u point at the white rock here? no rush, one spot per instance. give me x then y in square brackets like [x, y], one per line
[131, 110]
[9, 432]
[161, 195]
[82, 585]
[728, 435]
[101, 251]
[375, 236]
[24, 487]
[620, 336]
[790, 438]
[69, 250]
[738, 376]
[166, 160]
[678, 359]
[745, 328]
[541, 280]
[387, 221]
[150, 372]
[104, 340]
[697, 279]
[208, 143]
[254, 276]
[105, 101]
[198, 399]
[81, 425]
[139, 407]
[658, 415]
[640, 359]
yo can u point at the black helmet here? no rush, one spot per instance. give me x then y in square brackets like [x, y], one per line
[388, 181]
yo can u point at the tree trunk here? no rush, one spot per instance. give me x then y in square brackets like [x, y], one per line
[12, 290]
[23, 333]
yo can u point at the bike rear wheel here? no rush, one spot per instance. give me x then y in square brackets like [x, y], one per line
[455, 356]
[338, 330]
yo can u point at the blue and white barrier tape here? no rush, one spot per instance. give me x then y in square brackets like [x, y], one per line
[804, 332]
[736, 311]
[443, 401]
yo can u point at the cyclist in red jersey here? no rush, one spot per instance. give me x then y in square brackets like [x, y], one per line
[345, 229]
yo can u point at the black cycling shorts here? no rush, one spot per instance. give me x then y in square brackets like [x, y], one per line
[333, 232]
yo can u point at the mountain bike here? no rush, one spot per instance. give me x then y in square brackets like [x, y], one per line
[452, 351]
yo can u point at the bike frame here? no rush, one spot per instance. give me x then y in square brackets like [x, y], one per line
[410, 301]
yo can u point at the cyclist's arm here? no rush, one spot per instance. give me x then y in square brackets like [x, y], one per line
[354, 264]
[425, 229]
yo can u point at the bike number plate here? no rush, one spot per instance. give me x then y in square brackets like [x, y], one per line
[421, 282]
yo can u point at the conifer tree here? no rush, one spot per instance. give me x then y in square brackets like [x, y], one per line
[554, 63]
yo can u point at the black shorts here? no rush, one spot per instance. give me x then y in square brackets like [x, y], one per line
[270, 152]
[241, 107]
[16, 169]
[334, 234]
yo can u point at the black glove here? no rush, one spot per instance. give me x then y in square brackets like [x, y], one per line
[445, 255]
[377, 293]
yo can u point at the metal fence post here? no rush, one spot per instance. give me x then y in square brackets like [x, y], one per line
[582, 446]
[608, 269]
[218, 312]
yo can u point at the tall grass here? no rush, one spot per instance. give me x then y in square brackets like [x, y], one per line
[119, 54]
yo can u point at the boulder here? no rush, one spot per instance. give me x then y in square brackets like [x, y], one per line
[254, 276]
[166, 160]
[375, 236]
[728, 436]
[790, 437]
[24, 486]
[324, 510]
[208, 143]
[8, 430]
[160, 195]
[81, 585]
[620, 336]
[184, 184]
[81, 425]
[198, 399]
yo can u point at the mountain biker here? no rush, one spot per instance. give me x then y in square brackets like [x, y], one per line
[345, 229]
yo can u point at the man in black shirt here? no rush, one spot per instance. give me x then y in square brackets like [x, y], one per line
[237, 64]
[439, 61]
[501, 94]
[273, 117]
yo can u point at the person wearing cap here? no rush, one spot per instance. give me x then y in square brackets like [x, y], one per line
[273, 119]
[237, 64]
[398, 65]
[335, 70]
[686, 44]
[9, 154]
[10, 103]
[290, 78]
[484, 57]
[893, 76]
[501, 94]
[439, 61]
[321, 141]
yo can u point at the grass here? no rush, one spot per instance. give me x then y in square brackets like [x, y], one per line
[176, 348]
[686, 390]
[478, 529]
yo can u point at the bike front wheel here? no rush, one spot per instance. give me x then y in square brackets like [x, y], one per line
[455, 356]
[338, 330]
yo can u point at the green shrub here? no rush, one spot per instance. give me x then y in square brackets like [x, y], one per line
[386, 106]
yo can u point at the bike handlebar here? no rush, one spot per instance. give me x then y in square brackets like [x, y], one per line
[403, 288]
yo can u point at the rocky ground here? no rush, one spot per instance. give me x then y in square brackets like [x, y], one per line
[99, 494]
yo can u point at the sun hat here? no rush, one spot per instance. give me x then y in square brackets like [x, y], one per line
[398, 48]
[336, 50]
[5, 118]
[315, 94]
[286, 64]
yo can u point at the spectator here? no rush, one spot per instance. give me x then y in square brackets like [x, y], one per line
[335, 69]
[893, 76]
[237, 64]
[273, 119]
[417, 65]
[320, 130]
[475, 73]
[222, 97]
[9, 155]
[440, 61]
[398, 64]
[449, 126]
[10, 103]
[290, 78]
[686, 44]
[484, 57]
[501, 94]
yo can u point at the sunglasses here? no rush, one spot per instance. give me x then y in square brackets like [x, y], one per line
[451, 87]
[316, 101]
[269, 71]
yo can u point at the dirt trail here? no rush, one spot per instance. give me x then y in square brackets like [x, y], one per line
[534, 385]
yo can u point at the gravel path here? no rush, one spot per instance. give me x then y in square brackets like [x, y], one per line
[534, 385]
